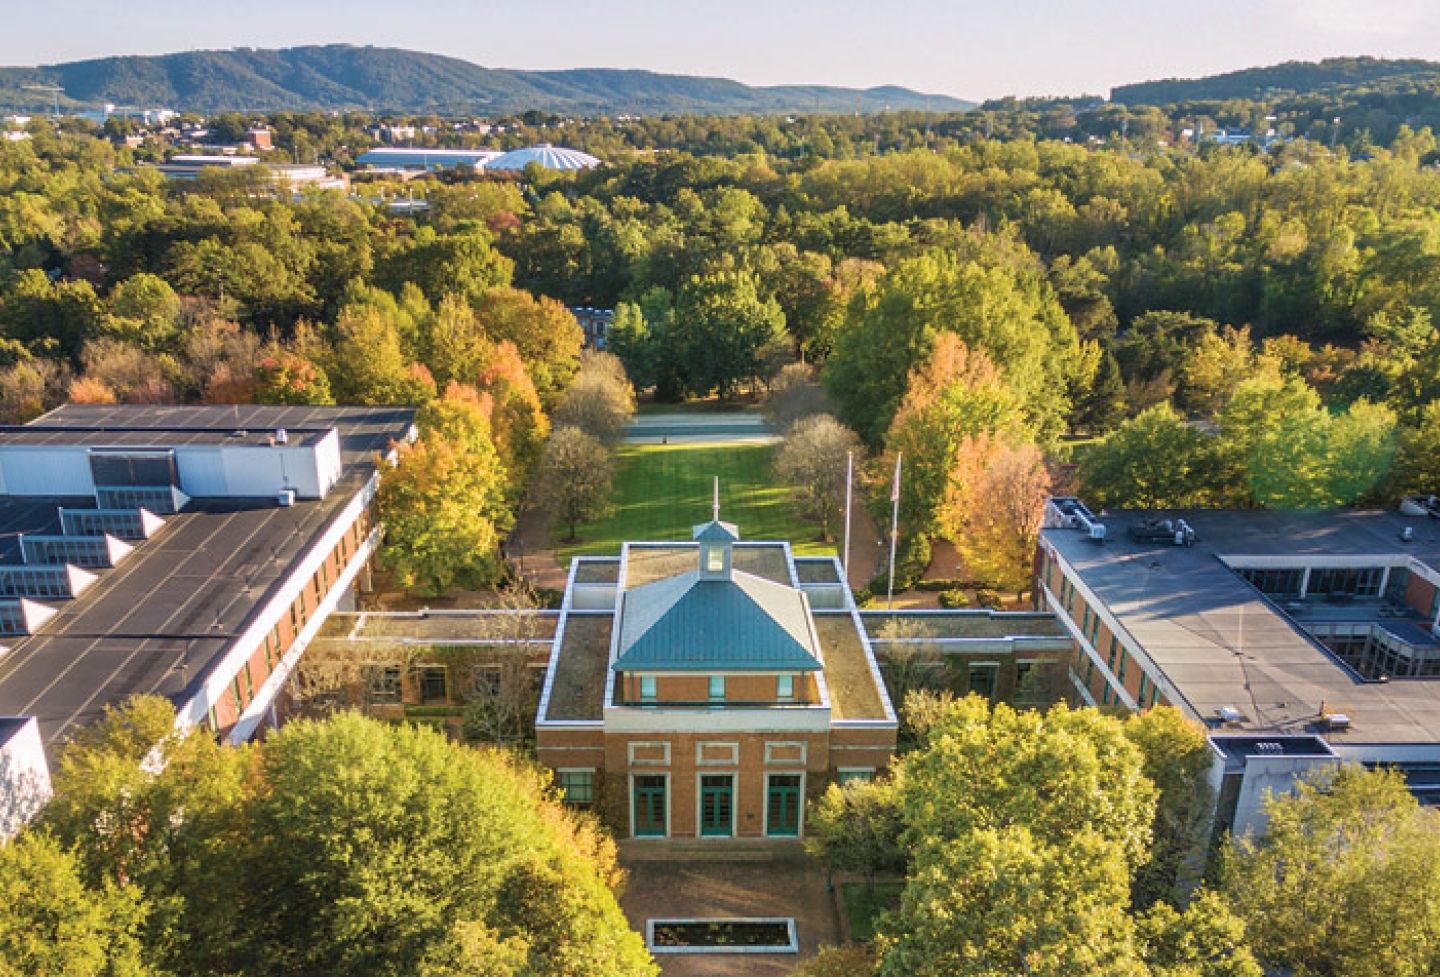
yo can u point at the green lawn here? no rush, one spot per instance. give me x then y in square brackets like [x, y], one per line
[661, 491]
[864, 904]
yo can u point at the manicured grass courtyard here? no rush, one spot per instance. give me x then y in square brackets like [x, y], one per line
[661, 491]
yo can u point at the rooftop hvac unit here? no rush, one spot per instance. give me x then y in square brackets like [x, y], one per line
[1229, 714]
[1337, 720]
[281, 437]
[285, 498]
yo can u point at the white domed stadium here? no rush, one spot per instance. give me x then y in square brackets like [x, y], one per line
[548, 156]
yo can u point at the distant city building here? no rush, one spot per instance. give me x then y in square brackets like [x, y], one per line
[397, 158]
[595, 323]
[291, 175]
[259, 137]
[188, 552]
[548, 156]
[1297, 639]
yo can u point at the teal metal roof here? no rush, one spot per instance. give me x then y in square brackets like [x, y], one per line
[715, 531]
[688, 624]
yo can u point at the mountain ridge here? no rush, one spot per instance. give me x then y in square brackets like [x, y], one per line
[1285, 78]
[338, 77]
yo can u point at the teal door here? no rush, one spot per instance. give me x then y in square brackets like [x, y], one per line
[717, 805]
[782, 806]
[650, 806]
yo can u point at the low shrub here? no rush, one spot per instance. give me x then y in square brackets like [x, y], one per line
[954, 599]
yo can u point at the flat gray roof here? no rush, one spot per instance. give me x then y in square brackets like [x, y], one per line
[158, 622]
[1221, 643]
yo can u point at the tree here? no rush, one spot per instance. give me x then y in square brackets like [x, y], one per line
[147, 310]
[347, 846]
[1416, 470]
[369, 367]
[1345, 880]
[795, 393]
[812, 461]
[855, 827]
[517, 422]
[955, 394]
[1207, 939]
[1155, 460]
[285, 378]
[631, 339]
[54, 924]
[58, 315]
[543, 330]
[1177, 759]
[454, 344]
[600, 400]
[994, 510]
[443, 503]
[574, 477]
[1100, 407]
[723, 330]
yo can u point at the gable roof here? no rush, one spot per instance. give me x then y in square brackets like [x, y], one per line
[688, 624]
[715, 531]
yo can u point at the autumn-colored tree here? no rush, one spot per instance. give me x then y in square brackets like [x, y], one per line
[30, 387]
[135, 376]
[543, 330]
[518, 424]
[453, 343]
[90, 390]
[443, 502]
[993, 509]
[795, 393]
[286, 378]
[956, 393]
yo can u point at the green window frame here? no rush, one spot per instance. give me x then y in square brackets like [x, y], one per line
[577, 787]
[843, 777]
[647, 688]
[1114, 650]
[650, 800]
[783, 798]
[1144, 689]
[717, 805]
[784, 687]
[717, 688]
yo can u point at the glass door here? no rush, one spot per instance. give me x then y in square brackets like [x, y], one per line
[782, 806]
[717, 805]
[650, 806]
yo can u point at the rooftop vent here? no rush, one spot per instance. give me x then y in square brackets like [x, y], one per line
[285, 498]
[1229, 714]
[281, 436]
[1337, 720]
[1069, 512]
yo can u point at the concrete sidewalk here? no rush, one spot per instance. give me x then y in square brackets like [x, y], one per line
[692, 428]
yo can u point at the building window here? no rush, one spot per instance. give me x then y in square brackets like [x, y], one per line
[1124, 660]
[717, 688]
[649, 805]
[647, 688]
[714, 559]
[843, 777]
[577, 787]
[982, 678]
[1105, 696]
[784, 687]
[383, 684]
[1114, 650]
[1144, 689]
[433, 684]
[235, 694]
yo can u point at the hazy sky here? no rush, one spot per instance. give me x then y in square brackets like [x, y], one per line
[969, 48]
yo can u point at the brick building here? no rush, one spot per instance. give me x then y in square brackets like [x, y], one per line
[1297, 638]
[189, 552]
[707, 689]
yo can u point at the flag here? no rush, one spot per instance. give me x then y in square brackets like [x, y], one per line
[895, 483]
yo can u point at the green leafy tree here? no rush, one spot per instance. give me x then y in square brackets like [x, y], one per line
[855, 827]
[1345, 880]
[369, 366]
[145, 308]
[1155, 460]
[724, 330]
[1177, 759]
[54, 923]
[43, 315]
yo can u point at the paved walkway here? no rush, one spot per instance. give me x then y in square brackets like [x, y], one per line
[790, 885]
[694, 428]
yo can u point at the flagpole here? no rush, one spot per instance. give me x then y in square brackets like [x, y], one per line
[894, 532]
[849, 481]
